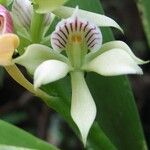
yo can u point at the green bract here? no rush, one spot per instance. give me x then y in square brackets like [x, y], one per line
[82, 41]
[48, 5]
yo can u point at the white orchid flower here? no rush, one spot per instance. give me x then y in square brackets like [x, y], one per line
[82, 42]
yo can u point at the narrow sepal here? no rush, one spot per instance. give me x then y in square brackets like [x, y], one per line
[98, 19]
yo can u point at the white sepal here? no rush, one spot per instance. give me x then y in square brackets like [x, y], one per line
[115, 45]
[50, 71]
[98, 19]
[83, 109]
[114, 62]
[122, 45]
[35, 54]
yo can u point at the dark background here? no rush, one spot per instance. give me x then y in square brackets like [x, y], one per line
[19, 107]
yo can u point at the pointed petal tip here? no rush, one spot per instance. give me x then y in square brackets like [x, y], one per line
[121, 29]
[144, 62]
[76, 11]
[139, 71]
[122, 45]
[83, 108]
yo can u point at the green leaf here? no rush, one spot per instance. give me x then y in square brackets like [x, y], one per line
[117, 113]
[98, 140]
[144, 9]
[62, 89]
[11, 135]
[48, 5]
[5, 147]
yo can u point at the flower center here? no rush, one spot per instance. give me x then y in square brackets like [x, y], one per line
[76, 38]
[76, 30]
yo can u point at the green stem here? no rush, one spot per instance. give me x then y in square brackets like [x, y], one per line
[16, 74]
[37, 27]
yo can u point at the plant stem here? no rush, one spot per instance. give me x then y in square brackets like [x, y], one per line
[16, 74]
[37, 27]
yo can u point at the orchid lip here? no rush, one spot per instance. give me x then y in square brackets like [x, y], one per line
[76, 30]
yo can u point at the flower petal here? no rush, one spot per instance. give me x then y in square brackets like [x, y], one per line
[115, 44]
[8, 43]
[48, 5]
[35, 54]
[50, 71]
[22, 12]
[6, 23]
[98, 19]
[83, 109]
[114, 62]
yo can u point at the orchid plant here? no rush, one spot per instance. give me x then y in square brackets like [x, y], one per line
[76, 48]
